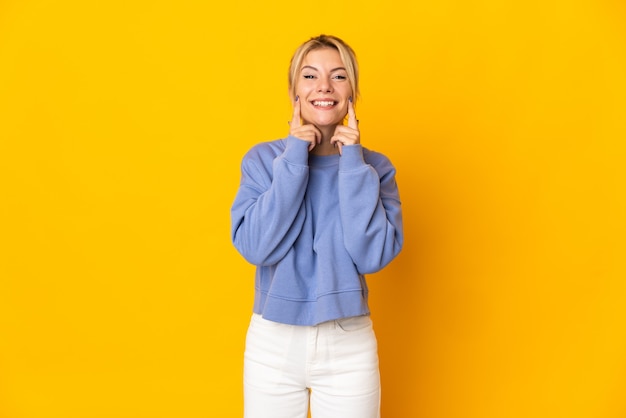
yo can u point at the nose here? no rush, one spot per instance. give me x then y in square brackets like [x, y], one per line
[324, 86]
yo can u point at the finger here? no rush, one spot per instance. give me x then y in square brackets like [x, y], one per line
[345, 135]
[318, 135]
[296, 121]
[312, 136]
[352, 121]
[316, 138]
[337, 141]
[308, 133]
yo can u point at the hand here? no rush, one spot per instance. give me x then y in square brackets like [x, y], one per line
[307, 132]
[347, 135]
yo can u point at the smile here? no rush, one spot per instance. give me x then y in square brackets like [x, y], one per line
[323, 103]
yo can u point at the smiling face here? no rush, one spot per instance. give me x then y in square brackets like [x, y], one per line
[323, 88]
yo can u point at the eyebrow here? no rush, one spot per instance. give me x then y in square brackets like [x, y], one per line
[313, 68]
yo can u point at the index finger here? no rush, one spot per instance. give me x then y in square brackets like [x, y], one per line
[296, 122]
[352, 121]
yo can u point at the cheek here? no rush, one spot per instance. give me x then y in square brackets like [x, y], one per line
[301, 95]
[302, 90]
[344, 109]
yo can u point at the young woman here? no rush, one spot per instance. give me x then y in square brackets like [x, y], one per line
[315, 212]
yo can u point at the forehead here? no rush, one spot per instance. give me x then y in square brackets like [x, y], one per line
[323, 58]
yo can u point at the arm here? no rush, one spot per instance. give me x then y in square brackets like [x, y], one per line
[268, 212]
[370, 210]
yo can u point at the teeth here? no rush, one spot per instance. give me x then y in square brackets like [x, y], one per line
[323, 103]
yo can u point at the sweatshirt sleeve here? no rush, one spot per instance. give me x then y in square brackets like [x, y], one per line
[370, 209]
[268, 212]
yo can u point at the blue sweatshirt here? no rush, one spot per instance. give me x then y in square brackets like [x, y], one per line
[313, 226]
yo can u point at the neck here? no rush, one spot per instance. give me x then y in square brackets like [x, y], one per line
[325, 147]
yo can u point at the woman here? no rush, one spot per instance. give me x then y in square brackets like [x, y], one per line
[315, 212]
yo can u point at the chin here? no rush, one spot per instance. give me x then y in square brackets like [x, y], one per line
[325, 121]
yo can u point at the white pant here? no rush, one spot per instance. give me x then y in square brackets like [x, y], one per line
[335, 362]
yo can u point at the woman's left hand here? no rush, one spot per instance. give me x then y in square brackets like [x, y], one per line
[347, 135]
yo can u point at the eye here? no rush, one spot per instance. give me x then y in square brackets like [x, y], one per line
[308, 76]
[340, 77]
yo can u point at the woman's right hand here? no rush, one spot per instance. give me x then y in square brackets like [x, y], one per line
[306, 132]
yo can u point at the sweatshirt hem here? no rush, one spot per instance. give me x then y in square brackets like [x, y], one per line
[328, 307]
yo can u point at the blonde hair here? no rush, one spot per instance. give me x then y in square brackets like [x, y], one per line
[346, 54]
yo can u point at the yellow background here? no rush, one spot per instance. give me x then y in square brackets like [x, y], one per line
[122, 126]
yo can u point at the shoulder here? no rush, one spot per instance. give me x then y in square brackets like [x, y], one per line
[381, 163]
[265, 152]
[256, 165]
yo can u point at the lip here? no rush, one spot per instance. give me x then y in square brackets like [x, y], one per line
[324, 99]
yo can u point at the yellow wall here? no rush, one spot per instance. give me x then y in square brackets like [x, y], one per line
[122, 125]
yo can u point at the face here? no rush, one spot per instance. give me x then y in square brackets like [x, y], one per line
[323, 88]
